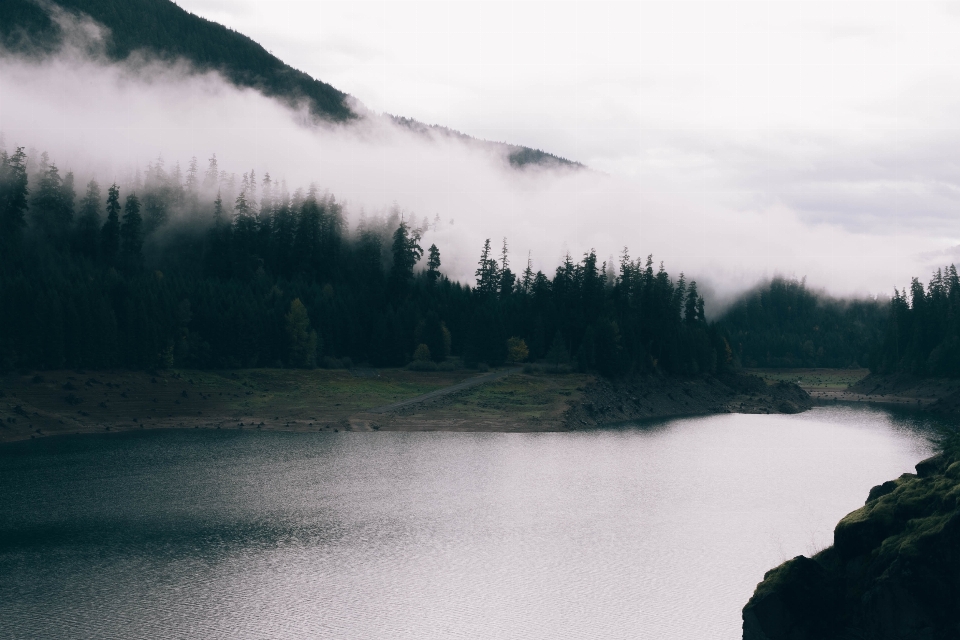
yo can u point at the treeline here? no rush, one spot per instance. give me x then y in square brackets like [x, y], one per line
[200, 269]
[785, 324]
[923, 334]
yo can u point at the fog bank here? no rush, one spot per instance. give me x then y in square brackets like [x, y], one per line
[105, 120]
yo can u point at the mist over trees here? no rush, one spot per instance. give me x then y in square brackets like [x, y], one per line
[161, 28]
[922, 336]
[785, 324]
[200, 268]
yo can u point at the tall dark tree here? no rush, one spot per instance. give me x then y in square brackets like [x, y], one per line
[693, 307]
[52, 205]
[488, 273]
[406, 254]
[131, 233]
[507, 279]
[13, 200]
[433, 263]
[88, 223]
[110, 233]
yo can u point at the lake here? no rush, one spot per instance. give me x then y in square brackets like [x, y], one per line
[645, 531]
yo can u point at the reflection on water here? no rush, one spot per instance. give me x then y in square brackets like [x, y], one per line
[655, 531]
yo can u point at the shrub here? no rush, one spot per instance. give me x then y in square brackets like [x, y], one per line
[422, 353]
[517, 350]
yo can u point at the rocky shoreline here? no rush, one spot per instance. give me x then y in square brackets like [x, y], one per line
[937, 396]
[607, 402]
[892, 573]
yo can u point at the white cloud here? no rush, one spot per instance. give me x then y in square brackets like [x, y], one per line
[739, 140]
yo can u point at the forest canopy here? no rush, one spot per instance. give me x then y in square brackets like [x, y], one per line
[200, 268]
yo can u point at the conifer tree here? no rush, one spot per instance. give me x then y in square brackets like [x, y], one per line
[406, 254]
[110, 233]
[218, 210]
[526, 283]
[88, 223]
[192, 185]
[693, 310]
[131, 233]
[433, 263]
[211, 179]
[506, 276]
[487, 273]
[50, 210]
[13, 200]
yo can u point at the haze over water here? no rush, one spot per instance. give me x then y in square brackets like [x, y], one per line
[656, 531]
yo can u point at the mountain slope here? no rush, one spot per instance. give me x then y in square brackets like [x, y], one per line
[165, 30]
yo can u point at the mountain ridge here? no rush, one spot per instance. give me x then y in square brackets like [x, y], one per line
[167, 31]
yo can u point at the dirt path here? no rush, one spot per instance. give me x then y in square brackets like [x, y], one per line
[460, 386]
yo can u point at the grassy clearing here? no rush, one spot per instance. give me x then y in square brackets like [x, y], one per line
[519, 402]
[336, 393]
[523, 396]
[70, 402]
[813, 379]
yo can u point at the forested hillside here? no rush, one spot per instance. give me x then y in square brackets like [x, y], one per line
[923, 334]
[162, 29]
[785, 324]
[195, 268]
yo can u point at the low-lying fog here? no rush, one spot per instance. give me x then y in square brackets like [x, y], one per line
[104, 120]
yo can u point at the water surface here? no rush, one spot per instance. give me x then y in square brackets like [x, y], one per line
[654, 531]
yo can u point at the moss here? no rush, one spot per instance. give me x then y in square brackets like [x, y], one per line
[894, 565]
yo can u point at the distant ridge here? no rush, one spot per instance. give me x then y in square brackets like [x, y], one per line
[169, 32]
[518, 156]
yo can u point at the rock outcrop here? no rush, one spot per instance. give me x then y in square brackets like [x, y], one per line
[893, 571]
[606, 402]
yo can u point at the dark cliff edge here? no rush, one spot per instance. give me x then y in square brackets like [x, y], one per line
[607, 402]
[892, 572]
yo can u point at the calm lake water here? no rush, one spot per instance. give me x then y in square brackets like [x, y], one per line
[655, 531]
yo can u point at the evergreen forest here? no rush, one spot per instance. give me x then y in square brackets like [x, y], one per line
[785, 324]
[197, 268]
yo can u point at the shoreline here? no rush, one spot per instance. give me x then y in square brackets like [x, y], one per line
[505, 400]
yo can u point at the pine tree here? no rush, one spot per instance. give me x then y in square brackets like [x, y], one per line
[13, 200]
[526, 283]
[88, 223]
[218, 211]
[693, 309]
[406, 254]
[433, 263]
[487, 273]
[192, 185]
[131, 233]
[110, 233]
[49, 209]
[506, 276]
[211, 178]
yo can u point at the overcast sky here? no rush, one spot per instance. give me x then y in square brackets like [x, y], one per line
[844, 112]
[737, 140]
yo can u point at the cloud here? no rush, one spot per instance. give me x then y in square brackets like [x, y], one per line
[727, 207]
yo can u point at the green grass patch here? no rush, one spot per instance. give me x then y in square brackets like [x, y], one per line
[822, 379]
